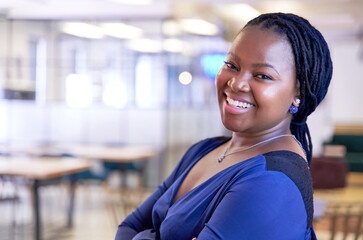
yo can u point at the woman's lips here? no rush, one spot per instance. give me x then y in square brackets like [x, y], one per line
[236, 107]
[239, 104]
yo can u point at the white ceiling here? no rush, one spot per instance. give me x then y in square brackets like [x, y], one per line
[80, 9]
[339, 18]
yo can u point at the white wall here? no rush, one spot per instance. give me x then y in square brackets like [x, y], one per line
[28, 122]
[347, 84]
[342, 105]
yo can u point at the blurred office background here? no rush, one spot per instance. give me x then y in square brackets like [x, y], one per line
[141, 73]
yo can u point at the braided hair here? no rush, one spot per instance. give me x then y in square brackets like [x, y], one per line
[313, 66]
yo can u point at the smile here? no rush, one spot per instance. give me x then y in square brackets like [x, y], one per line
[238, 104]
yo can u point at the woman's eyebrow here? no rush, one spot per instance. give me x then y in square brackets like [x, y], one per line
[255, 64]
[265, 65]
[234, 56]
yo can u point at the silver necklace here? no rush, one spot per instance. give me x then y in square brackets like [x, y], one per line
[220, 159]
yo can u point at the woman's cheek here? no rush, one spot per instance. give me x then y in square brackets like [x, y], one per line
[217, 78]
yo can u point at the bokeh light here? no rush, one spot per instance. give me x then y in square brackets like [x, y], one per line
[185, 78]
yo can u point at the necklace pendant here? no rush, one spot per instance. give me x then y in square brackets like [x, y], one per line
[220, 159]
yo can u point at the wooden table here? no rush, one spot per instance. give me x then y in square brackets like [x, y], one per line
[106, 153]
[40, 171]
[117, 153]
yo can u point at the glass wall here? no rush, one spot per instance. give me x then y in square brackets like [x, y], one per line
[44, 61]
[109, 82]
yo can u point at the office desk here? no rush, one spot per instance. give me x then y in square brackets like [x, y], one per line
[118, 154]
[122, 153]
[41, 171]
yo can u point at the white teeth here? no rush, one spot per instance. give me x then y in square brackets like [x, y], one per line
[236, 103]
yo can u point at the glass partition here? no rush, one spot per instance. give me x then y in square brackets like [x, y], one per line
[115, 63]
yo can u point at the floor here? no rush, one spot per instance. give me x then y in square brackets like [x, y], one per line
[352, 194]
[98, 211]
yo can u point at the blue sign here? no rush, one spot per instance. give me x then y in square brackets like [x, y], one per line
[212, 63]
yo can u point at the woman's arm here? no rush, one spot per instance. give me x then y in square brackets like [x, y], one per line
[141, 218]
[266, 207]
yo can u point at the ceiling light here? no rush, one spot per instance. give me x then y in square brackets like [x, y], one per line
[145, 45]
[333, 19]
[198, 26]
[121, 30]
[176, 45]
[171, 28]
[238, 12]
[185, 78]
[133, 2]
[83, 30]
[284, 6]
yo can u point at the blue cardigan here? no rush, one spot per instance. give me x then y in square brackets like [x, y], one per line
[266, 197]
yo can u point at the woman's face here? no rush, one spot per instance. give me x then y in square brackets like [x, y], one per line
[257, 85]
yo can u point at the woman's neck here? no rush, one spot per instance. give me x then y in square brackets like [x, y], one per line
[248, 139]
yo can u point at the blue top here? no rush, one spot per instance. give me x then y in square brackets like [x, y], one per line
[265, 197]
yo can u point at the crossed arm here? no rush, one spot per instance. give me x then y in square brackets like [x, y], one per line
[266, 207]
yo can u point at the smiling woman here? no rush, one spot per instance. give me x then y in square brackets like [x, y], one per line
[259, 73]
[255, 185]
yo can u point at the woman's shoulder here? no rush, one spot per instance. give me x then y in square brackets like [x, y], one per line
[289, 163]
[282, 173]
[296, 168]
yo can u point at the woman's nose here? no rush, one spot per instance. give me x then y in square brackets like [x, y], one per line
[239, 84]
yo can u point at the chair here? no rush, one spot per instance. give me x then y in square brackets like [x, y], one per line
[8, 195]
[122, 202]
[328, 172]
[338, 151]
[345, 220]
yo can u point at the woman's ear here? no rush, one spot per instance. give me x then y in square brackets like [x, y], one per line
[297, 100]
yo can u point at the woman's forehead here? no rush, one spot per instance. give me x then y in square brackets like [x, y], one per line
[259, 35]
[262, 45]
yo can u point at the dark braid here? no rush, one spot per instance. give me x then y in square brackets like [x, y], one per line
[313, 66]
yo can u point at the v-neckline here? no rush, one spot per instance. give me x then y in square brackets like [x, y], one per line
[182, 177]
[186, 172]
[206, 181]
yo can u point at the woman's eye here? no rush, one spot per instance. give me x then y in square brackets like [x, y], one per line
[231, 65]
[263, 76]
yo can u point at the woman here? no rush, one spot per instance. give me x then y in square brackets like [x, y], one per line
[255, 185]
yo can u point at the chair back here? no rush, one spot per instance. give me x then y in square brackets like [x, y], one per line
[345, 220]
